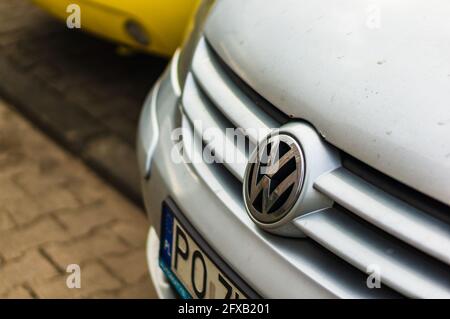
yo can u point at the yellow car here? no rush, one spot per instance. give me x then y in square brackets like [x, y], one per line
[156, 26]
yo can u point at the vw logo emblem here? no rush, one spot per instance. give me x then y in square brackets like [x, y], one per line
[274, 178]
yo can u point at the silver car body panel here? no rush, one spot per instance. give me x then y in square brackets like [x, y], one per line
[379, 92]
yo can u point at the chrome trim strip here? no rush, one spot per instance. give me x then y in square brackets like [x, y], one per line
[196, 109]
[174, 73]
[392, 215]
[405, 270]
[236, 106]
[155, 128]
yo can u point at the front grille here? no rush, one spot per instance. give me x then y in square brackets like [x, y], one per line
[376, 222]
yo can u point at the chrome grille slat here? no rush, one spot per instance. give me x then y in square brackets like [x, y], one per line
[227, 97]
[396, 217]
[405, 270]
[396, 189]
[198, 109]
[223, 180]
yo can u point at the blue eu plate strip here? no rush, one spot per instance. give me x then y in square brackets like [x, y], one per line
[165, 253]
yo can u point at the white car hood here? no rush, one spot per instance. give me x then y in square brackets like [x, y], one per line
[373, 77]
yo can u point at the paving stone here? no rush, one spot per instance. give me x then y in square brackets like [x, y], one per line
[12, 201]
[140, 290]
[130, 267]
[9, 191]
[57, 199]
[32, 266]
[119, 166]
[73, 126]
[14, 242]
[135, 234]
[23, 212]
[36, 182]
[86, 194]
[111, 294]
[124, 129]
[85, 249]
[11, 38]
[6, 221]
[11, 152]
[82, 221]
[11, 161]
[19, 293]
[94, 279]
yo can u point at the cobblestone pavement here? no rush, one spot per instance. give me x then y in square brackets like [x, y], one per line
[76, 87]
[54, 212]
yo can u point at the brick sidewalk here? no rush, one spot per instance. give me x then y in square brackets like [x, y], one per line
[76, 88]
[54, 212]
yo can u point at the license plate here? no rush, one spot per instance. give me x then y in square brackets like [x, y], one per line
[193, 268]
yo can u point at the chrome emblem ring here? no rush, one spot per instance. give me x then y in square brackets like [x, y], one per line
[274, 178]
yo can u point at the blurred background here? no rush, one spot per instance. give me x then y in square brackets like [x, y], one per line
[69, 105]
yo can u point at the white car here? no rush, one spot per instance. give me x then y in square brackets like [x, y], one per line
[339, 179]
